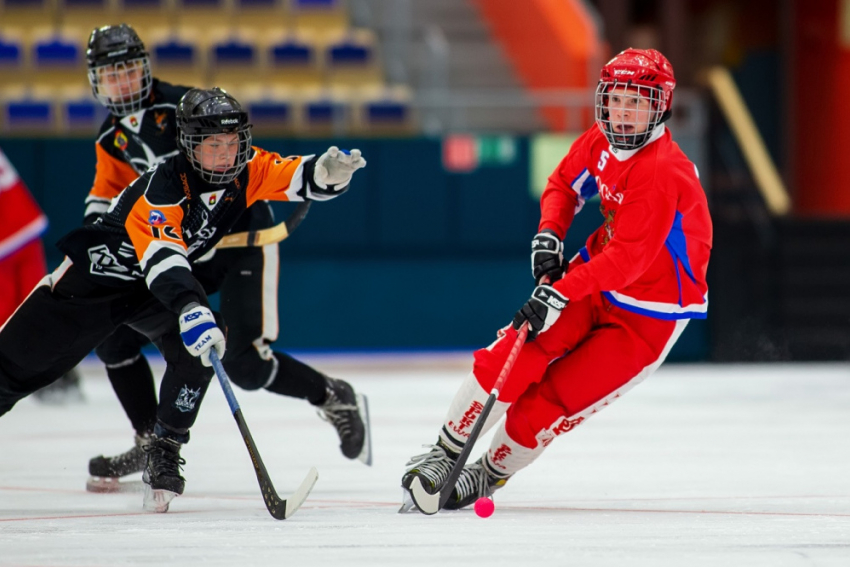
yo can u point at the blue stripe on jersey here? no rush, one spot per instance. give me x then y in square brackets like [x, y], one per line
[585, 255]
[586, 187]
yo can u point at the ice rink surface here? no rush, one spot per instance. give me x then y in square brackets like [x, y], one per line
[697, 466]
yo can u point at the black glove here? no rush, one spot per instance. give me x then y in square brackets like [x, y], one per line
[541, 311]
[547, 256]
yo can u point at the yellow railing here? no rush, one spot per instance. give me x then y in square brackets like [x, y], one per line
[750, 141]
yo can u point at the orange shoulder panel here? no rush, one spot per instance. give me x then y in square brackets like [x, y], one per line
[111, 175]
[148, 225]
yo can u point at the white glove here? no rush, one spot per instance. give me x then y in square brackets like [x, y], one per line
[200, 333]
[335, 167]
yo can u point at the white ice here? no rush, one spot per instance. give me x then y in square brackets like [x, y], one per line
[697, 466]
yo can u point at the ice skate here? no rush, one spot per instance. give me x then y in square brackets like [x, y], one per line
[475, 481]
[162, 473]
[348, 412]
[65, 390]
[106, 472]
[432, 468]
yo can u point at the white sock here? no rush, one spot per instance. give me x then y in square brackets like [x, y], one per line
[465, 408]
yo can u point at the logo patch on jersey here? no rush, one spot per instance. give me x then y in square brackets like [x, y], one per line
[134, 122]
[161, 119]
[121, 140]
[186, 399]
[211, 199]
[156, 217]
[103, 263]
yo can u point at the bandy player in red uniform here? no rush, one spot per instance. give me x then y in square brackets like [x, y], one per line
[610, 318]
[22, 223]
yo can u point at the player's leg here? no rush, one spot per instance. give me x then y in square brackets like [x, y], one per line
[58, 324]
[181, 392]
[617, 355]
[248, 291]
[433, 467]
[132, 380]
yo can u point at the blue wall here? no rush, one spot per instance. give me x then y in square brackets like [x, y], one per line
[412, 257]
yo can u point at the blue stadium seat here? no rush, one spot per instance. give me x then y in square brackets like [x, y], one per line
[176, 57]
[351, 59]
[233, 60]
[27, 114]
[271, 110]
[348, 52]
[26, 13]
[56, 51]
[387, 110]
[11, 53]
[78, 111]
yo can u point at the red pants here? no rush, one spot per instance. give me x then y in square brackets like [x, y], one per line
[19, 273]
[590, 356]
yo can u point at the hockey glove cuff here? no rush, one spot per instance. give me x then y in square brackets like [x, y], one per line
[200, 332]
[547, 256]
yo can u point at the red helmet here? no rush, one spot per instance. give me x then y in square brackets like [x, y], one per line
[645, 74]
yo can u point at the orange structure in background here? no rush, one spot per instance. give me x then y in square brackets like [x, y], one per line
[552, 44]
[821, 124]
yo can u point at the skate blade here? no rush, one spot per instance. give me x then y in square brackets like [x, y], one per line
[157, 500]
[365, 455]
[407, 503]
[106, 485]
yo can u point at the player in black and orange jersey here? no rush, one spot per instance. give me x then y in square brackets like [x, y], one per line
[139, 133]
[135, 267]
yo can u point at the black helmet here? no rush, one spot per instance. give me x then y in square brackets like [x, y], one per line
[206, 112]
[119, 69]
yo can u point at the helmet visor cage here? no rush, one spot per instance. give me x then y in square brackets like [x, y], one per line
[627, 113]
[122, 86]
[218, 157]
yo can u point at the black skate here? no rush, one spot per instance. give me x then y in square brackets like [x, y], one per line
[66, 390]
[475, 481]
[348, 412]
[162, 473]
[106, 471]
[432, 468]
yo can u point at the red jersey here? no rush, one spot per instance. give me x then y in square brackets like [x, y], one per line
[651, 253]
[21, 219]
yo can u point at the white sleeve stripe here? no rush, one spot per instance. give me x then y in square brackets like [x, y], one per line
[579, 182]
[158, 245]
[104, 135]
[297, 181]
[174, 262]
[98, 207]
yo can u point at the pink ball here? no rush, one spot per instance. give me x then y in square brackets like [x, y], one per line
[484, 507]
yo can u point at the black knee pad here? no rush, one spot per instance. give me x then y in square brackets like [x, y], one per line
[122, 346]
[247, 369]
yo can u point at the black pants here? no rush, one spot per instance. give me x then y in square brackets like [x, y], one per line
[68, 315]
[246, 279]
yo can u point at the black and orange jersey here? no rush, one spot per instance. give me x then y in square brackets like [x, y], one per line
[169, 217]
[128, 146]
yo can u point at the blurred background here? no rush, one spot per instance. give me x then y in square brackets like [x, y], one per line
[462, 109]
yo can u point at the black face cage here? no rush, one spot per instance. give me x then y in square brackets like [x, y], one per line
[621, 130]
[125, 98]
[190, 141]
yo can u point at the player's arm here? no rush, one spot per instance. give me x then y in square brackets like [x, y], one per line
[301, 178]
[111, 176]
[642, 224]
[156, 233]
[566, 191]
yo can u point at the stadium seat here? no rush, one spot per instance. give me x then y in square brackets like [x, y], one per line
[324, 112]
[86, 14]
[78, 112]
[177, 56]
[145, 13]
[320, 15]
[234, 58]
[271, 109]
[58, 56]
[261, 15]
[385, 111]
[27, 111]
[292, 58]
[203, 13]
[12, 61]
[27, 13]
[351, 59]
